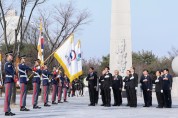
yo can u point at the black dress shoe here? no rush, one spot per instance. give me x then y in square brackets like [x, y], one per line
[114, 105]
[54, 103]
[91, 105]
[9, 114]
[24, 109]
[59, 101]
[102, 105]
[159, 107]
[36, 107]
[65, 101]
[47, 105]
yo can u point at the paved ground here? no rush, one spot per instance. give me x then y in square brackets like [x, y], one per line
[78, 108]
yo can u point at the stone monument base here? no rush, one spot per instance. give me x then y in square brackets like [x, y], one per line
[174, 91]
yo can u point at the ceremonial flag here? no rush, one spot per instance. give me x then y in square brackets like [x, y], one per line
[65, 57]
[40, 46]
[79, 59]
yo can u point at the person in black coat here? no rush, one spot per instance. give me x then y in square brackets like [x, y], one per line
[159, 89]
[146, 84]
[101, 83]
[126, 86]
[167, 86]
[92, 82]
[117, 85]
[107, 86]
[133, 87]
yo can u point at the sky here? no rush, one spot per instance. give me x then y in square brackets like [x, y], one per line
[154, 26]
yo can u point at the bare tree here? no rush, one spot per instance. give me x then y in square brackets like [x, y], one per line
[59, 23]
[21, 27]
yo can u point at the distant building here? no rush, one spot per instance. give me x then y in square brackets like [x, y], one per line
[12, 19]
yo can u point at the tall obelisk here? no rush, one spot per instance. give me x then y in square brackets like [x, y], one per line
[120, 42]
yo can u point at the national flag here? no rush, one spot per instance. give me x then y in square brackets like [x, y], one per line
[79, 59]
[40, 46]
[65, 57]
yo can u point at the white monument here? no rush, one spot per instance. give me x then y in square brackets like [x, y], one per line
[175, 79]
[120, 42]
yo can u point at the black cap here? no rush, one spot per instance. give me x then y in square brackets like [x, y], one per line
[9, 53]
[23, 56]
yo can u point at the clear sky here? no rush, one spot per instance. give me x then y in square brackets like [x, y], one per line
[154, 26]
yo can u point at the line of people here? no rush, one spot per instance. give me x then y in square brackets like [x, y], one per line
[41, 75]
[107, 81]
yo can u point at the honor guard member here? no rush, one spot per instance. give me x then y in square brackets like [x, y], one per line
[101, 81]
[117, 85]
[65, 87]
[46, 81]
[54, 85]
[8, 82]
[167, 86]
[107, 86]
[146, 84]
[60, 86]
[22, 69]
[126, 86]
[92, 81]
[159, 89]
[36, 84]
[133, 87]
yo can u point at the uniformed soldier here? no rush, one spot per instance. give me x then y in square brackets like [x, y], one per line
[167, 86]
[36, 84]
[117, 85]
[133, 87]
[92, 81]
[22, 69]
[54, 85]
[126, 86]
[159, 89]
[60, 87]
[65, 87]
[146, 83]
[101, 81]
[107, 86]
[46, 82]
[8, 82]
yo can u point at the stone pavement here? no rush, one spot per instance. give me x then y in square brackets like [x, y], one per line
[77, 107]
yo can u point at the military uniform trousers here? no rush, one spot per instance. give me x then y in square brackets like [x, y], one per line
[59, 93]
[8, 94]
[54, 92]
[45, 93]
[23, 94]
[36, 91]
[65, 93]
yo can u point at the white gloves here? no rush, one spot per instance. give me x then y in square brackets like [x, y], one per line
[110, 87]
[49, 80]
[18, 83]
[38, 67]
[135, 88]
[161, 91]
[131, 78]
[27, 79]
[156, 80]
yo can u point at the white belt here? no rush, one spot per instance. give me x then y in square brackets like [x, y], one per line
[37, 76]
[23, 75]
[8, 75]
[46, 78]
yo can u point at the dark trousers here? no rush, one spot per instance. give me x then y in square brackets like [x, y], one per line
[128, 97]
[167, 98]
[36, 92]
[107, 92]
[160, 99]
[147, 97]
[92, 94]
[7, 98]
[133, 97]
[23, 94]
[96, 96]
[117, 96]
[103, 96]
